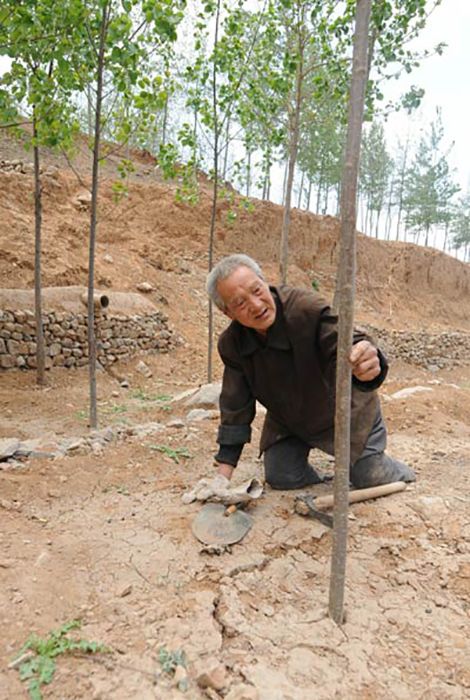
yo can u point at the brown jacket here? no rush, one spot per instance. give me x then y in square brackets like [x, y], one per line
[292, 374]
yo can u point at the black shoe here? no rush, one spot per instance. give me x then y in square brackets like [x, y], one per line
[379, 469]
[309, 477]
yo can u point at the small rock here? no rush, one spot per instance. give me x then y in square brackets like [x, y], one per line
[242, 692]
[206, 397]
[126, 591]
[97, 448]
[84, 197]
[124, 383]
[404, 393]
[8, 447]
[180, 678]
[144, 369]
[176, 423]
[183, 395]
[74, 444]
[198, 414]
[145, 287]
[145, 429]
[108, 259]
[213, 676]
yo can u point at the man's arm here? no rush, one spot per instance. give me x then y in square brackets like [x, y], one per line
[237, 410]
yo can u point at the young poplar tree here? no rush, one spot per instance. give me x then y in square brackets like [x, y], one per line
[218, 75]
[375, 172]
[346, 287]
[429, 185]
[116, 38]
[36, 92]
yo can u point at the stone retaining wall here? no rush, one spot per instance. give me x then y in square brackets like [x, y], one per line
[429, 350]
[65, 336]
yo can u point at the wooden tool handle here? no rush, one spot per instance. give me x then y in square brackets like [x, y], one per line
[362, 494]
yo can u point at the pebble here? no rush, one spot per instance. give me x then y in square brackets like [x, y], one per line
[213, 675]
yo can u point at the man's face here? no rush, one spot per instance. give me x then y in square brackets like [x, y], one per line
[247, 299]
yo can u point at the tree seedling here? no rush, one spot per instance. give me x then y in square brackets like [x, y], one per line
[36, 658]
[170, 660]
[172, 453]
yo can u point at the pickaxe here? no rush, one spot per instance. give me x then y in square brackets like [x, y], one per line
[307, 504]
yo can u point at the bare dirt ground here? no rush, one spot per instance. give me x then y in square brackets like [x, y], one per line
[102, 536]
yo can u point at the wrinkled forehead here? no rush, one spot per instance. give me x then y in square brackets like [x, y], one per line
[238, 283]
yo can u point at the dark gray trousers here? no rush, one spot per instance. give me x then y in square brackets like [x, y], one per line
[286, 462]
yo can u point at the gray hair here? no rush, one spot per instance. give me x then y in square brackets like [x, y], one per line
[224, 269]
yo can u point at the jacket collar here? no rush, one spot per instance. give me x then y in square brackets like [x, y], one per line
[276, 337]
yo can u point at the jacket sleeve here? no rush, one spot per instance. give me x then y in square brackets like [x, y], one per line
[237, 409]
[327, 338]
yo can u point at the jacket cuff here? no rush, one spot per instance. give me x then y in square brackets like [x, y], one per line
[234, 434]
[229, 454]
[378, 380]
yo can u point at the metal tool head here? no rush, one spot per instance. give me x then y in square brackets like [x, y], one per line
[305, 505]
[215, 525]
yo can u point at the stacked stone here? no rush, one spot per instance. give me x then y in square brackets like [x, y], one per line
[66, 341]
[18, 166]
[429, 350]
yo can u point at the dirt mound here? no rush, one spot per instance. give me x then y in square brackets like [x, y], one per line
[148, 236]
[74, 299]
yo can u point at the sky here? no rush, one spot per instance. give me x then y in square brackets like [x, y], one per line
[446, 81]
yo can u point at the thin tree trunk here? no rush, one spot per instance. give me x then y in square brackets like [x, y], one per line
[164, 122]
[227, 140]
[284, 182]
[268, 187]
[446, 233]
[326, 199]
[309, 194]
[401, 190]
[248, 174]
[377, 223]
[93, 217]
[293, 147]
[301, 189]
[89, 112]
[317, 206]
[346, 290]
[214, 191]
[40, 351]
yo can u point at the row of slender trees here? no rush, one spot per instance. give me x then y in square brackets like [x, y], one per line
[410, 194]
[228, 86]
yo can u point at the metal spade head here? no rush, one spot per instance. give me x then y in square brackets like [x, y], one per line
[212, 525]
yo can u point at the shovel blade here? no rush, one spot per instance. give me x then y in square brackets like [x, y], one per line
[212, 526]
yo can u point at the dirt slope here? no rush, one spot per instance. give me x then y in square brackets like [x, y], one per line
[151, 236]
[101, 534]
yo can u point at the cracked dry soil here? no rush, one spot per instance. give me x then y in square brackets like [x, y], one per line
[105, 538]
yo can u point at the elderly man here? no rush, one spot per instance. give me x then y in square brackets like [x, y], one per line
[280, 349]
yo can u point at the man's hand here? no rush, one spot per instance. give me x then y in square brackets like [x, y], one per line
[365, 361]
